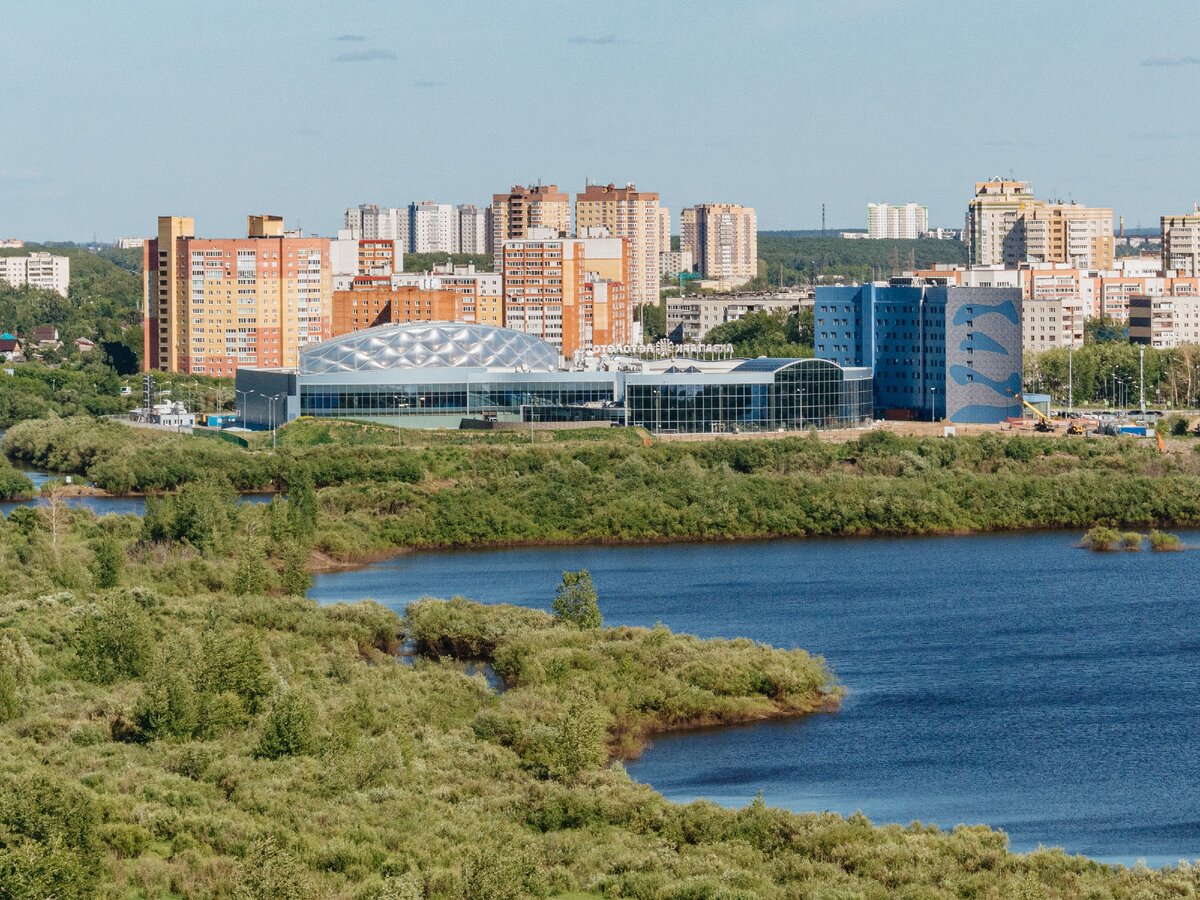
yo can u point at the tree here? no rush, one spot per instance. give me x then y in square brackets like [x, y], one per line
[290, 728]
[580, 743]
[775, 333]
[270, 872]
[1104, 331]
[114, 640]
[108, 562]
[302, 505]
[576, 601]
[296, 580]
[58, 515]
[168, 706]
[250, 576]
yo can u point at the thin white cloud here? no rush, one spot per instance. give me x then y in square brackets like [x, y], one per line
[1162, 62]
[359, 56]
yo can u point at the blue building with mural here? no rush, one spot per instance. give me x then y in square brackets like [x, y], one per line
[936, 352]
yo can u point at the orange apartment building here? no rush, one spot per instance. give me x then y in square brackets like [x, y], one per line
[370, 303]
[212, 305]
[572, 292]
[632, 214]
[480, 294]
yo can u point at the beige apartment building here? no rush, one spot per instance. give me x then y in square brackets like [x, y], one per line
[992, 219]
[631, 214]
[214, 305]
[1081, 236]
[1164, 322]
[690, 318]
[1051, 323]
[723, 241]
[515, 213]
[480, 294]
[569, 291]
[1181, 243]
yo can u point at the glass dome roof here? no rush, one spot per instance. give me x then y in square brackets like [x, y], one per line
[417, 345]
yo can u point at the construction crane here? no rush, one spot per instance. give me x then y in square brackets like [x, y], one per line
[1043, 423]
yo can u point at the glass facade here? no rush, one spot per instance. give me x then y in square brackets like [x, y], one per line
[797, 394]
[454, 396]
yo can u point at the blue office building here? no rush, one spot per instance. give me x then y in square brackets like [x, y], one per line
[936, 352]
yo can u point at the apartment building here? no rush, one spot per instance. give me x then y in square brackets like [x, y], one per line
[689, 319]
[212, 305]
[480, 294]
[1181, 243]
[664, 229]
[1051, 323]
[672, 262]
[11, 243]
[368, 304]
[373, 221]
[1166, 321]
[471, 230]
[38, 270]
[991, 221]
[894, 221]
[130, 243]
[723, 241]
[571, 292]
[431, 227]
[631, 214]
[524, 208]
[1080, 236]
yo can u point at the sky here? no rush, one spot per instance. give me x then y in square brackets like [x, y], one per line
[116, 113]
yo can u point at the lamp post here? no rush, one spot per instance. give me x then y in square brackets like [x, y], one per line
[273, 398]
[396, 403]
[244, 405]
[933, 404]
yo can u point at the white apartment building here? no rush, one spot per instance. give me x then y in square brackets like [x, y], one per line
[1164, 322]
[484, 291]
[11, 244]
[370, 221]
[430, 227]
[471, 229]
[39, 270]
[1051, 323]
[689, 319]
[672, 262]
[1181, 243]
[130, 243]
[897, 222]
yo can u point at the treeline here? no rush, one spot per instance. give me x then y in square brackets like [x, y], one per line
[778, 333]
[1109, 373]
[166, 736]
[817, 260]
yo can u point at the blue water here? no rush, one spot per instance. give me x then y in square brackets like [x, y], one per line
[1012, 680]
[99, 505]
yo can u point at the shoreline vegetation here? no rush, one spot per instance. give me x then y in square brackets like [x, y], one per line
[177, 720]
[380, 491]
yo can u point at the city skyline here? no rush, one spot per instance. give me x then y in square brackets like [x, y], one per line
[246, 109]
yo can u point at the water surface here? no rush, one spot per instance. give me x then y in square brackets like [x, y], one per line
[1013, 680]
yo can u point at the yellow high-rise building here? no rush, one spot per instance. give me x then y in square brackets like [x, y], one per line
[631, 214]
[1067, 233]
[213, 305]
[723, 241]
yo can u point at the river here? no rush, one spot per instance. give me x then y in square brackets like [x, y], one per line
[1013, 680]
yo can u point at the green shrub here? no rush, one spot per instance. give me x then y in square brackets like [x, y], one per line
[1161, 542]
[49, 845]
[114, 640]
[1131, 540]
[1101, 538]
[290, 728]
[108, 562]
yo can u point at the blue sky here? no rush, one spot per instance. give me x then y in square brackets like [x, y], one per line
[119, 112]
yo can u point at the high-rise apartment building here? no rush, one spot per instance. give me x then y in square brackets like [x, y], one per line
[39, 270]
[1181, 243]
[373, 221]
[991, 233]
[723, 241]
[430, 227]
[1007, 225]
[664, 230]
[523, 208]
[471, 229]
[568, 291]
[897, 222]
[1081, 236]
[212, 305]
[632, 214]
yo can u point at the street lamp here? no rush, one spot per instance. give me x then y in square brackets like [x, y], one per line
[933, 404]
[241, 415]
[273, 398]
